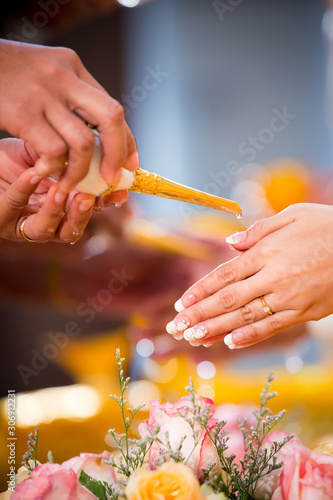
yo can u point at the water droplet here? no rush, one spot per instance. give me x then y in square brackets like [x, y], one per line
[239, 216]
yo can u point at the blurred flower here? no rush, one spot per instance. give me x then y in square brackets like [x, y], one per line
[324, 448]
[93, 465]
[21, 474]
[171, 480]
[267, 485]
[173, 428]
[306, 476]
[231, 414]
[209, 494]
[51, 482]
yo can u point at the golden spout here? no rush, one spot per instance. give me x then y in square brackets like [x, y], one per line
[153, 184]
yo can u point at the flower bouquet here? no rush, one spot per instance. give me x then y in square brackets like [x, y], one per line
[184, 453]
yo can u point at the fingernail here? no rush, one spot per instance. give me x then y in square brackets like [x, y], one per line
[177, 326]
[237, 336]
[86, 205]
[35, 179]
[195, 333]
[42, 168]
[228, 340]
[236, 238]
[133, 161]
[179, 306]
[113, 178]
[60, 196]
[178, 336]
[98, 208]
[187, 300]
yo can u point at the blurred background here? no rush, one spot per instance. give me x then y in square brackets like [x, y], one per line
[228, 97]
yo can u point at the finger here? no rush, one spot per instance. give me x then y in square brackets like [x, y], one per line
[17, 195]
[48, 144]
[43, 225]
[80, 141]
[246, 239]
[87, 77]
[132, 161]
[101, 110]
[240, 268]
[261, 330]
[225, 323]
[116, 198]
[76, 218]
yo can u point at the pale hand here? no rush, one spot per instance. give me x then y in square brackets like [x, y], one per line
[287, 259]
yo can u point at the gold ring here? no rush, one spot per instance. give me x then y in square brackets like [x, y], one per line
[266, 308]
[21, 230]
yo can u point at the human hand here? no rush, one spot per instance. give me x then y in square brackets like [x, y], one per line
[51, 215]
[46, 94]
[287, 259]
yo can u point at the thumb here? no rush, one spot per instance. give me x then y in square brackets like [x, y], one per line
[247, 239]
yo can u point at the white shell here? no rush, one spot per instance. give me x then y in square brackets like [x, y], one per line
[93, 182]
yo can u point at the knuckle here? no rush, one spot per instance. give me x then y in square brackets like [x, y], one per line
[56, 148]
[114, 113]
[251, 334]
[85, 142]
[12, 202]
[226, 299]
[225, 273]
[69, 55]
[257, 228]
[247, 314]
[275, 323]
[198, 314]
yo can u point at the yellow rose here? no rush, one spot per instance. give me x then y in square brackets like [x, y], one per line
[324, 448]
[170, 481]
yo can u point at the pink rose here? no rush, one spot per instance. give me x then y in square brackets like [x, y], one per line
[173, 427]
[230, 413]
[268, 484]
[51, 482]
[93, 465]
[306, 477]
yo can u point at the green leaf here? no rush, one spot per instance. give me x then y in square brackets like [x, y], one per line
[96, 487]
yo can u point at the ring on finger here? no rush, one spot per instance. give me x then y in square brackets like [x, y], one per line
[21, 230]
[266, 307]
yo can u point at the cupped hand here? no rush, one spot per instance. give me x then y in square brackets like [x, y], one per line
[46, 94]
[51, 214]
[287, 259]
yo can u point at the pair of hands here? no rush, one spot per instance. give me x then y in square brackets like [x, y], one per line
[287, 259]
[47, 93]
[53, 215]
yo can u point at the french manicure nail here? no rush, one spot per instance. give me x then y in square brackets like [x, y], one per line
[177, 326]
[228, 340]
[179, 306]
[236, 238]
[195, 333]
